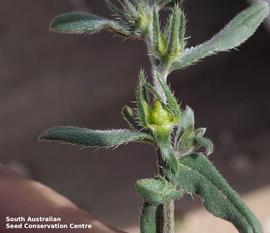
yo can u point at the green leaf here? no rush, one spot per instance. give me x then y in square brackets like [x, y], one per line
[142, 100]
[174, 47]
[171, 101]
[182, 30]
[128, 5]
[92, 138]
[156, 38]
[233, 35]
[187, 121]
[198, 176]
[78, 23]
[200, 132]
[153, 92]
[157, 191]
[206, 143]
[185, 144]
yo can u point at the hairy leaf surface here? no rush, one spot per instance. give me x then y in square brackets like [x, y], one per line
[170, 98]
[129, 116]
[206, 143]
[157, 190]
[198, 176]
[233, 35]
[92, 138]
[187, 121]
[78, 23]
[142, 100]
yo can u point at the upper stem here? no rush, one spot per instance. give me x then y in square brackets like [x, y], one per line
[166, 211]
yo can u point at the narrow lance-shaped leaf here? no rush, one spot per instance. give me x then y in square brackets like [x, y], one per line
[78, 23]
[182, 30]
[198, 176]
[92, 138]
[233, 35]
[142, 99]
[156, 32]
[170, 98]
[174, 30]
[153, 92]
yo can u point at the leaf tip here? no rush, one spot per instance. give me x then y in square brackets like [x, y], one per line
[262, 9]
[45, 135]
[55, 22]
[264, 5]
[55, 133]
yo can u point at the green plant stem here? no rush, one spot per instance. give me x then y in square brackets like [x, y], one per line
[166, 211]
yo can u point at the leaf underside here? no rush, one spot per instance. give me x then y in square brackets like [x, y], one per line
[199, 176]
[92, 138]
[233, 35]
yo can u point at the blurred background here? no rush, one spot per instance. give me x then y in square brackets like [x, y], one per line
[49, 79]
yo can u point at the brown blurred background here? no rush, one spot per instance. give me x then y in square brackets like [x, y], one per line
[50, 79]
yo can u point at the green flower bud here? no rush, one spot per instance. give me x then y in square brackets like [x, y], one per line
[159, 118]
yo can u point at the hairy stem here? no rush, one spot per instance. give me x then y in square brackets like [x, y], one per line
[166, 211]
